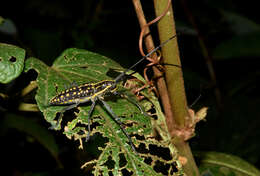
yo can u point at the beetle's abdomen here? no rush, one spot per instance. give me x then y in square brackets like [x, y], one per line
[82, 93]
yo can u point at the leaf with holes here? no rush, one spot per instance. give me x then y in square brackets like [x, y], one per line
[162, 153]
[11, 62]
[116, 157]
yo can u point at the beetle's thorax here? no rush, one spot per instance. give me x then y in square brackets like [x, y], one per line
[104, 87]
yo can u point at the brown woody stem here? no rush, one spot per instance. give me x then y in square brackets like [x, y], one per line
[173, 98]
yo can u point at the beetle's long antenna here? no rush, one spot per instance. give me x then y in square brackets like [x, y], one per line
[118, 78]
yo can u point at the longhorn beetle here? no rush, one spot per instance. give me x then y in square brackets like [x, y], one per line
[95, 92]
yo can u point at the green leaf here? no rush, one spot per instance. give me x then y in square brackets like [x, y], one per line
[74, 65]
[246, 41]
[226, 164]
[8, 27]
[81, 66]
[1, 20]
[242, 84]
[239, 46]
[239, 24]
[30, 127]
[11, 62]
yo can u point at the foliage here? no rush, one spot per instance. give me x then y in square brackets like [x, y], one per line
[11, 62]
[213, 163]
[83, 66]
[231, 32]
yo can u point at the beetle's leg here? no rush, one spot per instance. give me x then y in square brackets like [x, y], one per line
[117, 119]
[89, 116]
[66, 86]
[133, 101]
[73, 84]
[56, 89]
[54, 127]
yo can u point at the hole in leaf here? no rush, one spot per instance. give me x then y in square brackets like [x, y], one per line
[161, 167]
[94, 124]
[148, 160]
[173, 168]
[160, 152]
[141, 149]
[81, 132]
[84, 67]
[110, 163]
[122, 160]
[110, 173]
[139, 137]
[95, 142]
[157, 135]
[12, 59]
[153, 112]
[125, 172]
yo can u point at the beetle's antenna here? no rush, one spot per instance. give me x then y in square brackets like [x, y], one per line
[118, 78]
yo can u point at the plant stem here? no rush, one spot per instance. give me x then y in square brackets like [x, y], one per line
[161, 85]
[176, 99]
[175, 84]
[28, 107]
[29, 88]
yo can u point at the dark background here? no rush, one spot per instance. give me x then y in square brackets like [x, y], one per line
[231, 32]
